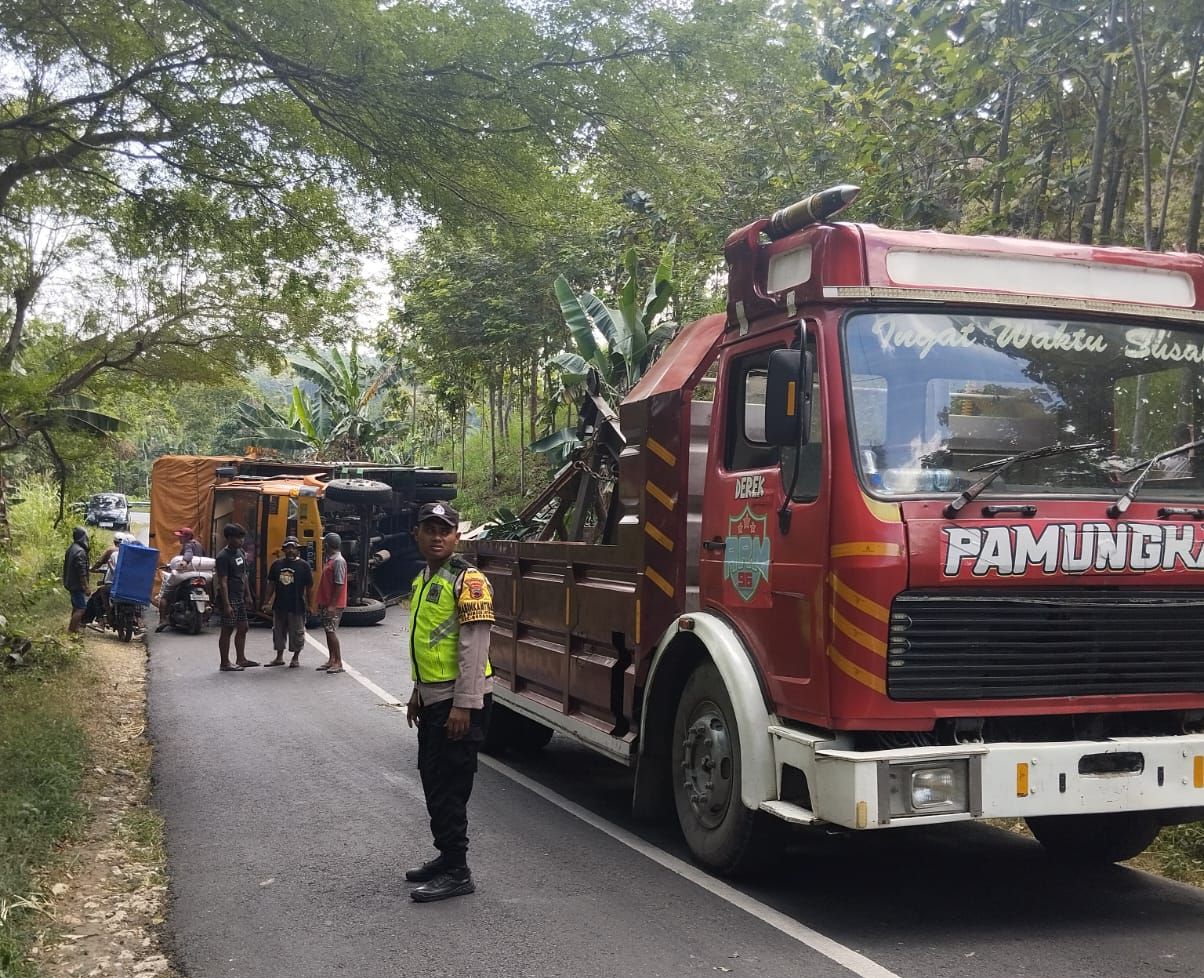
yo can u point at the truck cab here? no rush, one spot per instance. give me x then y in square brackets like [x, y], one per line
[910, 535]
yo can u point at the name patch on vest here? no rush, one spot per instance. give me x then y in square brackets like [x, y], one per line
[476, 600]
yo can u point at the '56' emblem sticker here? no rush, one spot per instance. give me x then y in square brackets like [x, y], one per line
[746, 557]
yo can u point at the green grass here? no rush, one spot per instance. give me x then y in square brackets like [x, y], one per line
[43, 747]
[1180, 850]
[43, 753]
[478, 496]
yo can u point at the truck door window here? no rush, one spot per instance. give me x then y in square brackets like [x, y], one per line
[746, 446]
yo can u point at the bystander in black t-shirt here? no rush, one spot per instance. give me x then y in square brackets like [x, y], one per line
[291, 578]
[232, 565]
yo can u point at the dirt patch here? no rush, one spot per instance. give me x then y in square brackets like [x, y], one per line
[107, 892]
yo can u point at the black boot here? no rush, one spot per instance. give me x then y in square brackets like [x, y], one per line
[427, 871]
[454, 882]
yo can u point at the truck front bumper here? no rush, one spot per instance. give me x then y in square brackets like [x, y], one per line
[926, 785]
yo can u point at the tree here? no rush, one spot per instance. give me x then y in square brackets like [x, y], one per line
[345, 417]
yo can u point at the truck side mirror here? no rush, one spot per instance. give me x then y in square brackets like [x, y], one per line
[788, 398]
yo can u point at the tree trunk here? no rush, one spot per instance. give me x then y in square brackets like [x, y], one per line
[522, 431]
[1170, 156]
[1116, 166]
[1197, 202]
[533, 394]
[1122, 203]
[1134, 24]
[1037, 215]
[1103, 116]
[492, 433]
[463, 435]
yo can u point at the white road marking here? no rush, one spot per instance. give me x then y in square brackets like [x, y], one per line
[358, 676]
[846, 957]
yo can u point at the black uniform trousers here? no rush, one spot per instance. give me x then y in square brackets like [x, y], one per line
[447, 768]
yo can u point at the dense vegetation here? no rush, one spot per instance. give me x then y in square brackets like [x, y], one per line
[195, 188]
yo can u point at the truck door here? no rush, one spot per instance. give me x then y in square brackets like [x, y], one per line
[763, 574]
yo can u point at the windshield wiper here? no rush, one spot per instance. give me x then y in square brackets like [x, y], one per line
[1001, 465]
[1118, 508]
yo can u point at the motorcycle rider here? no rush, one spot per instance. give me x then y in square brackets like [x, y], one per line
[98, 603]
[190, 547]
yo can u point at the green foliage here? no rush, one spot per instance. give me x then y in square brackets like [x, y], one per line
[616, 344]
[479, 494]
[42, 748]
[31, 570]
[347, 417]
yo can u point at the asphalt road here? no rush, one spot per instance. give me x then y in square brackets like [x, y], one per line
[293, 806]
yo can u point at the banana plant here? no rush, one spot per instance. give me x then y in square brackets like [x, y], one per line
[618, 343]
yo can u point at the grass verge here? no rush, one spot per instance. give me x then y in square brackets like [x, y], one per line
[43, 755]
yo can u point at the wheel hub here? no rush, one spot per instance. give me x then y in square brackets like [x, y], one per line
[707, 765]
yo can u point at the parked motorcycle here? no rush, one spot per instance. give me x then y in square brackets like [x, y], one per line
[188, 600]
[105, 611]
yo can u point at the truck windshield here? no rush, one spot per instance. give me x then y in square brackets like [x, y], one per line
[933, 395]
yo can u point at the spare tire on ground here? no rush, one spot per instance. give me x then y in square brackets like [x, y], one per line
[368, 612]
[366, 492]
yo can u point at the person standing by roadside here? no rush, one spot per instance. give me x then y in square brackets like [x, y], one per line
[290, 580]
[451, 613]
[75, 577]
[332, 599]
[230, 573]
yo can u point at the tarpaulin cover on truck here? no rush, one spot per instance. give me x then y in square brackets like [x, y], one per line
[182, 495]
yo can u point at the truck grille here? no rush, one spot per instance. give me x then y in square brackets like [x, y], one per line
[947, 645]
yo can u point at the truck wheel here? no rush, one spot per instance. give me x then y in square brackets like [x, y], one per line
[367, 612]
[717, 826]
[1095, 839]
[359, 492]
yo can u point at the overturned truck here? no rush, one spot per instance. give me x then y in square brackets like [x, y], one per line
[372, 507]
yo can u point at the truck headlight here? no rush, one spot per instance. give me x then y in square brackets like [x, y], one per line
[930, 788]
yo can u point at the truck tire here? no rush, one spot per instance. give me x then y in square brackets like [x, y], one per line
[366, 492]
[368, 612]
[1095, 839]
[717, 826]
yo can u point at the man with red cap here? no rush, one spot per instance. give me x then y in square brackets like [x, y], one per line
[190, 546]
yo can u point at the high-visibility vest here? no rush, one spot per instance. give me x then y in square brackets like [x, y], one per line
[435, 626]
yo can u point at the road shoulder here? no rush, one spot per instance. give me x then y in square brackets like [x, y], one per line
[107, 889]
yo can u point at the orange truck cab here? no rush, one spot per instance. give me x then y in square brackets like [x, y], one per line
[911, 535]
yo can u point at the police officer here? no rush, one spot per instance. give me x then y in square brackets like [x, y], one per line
[451, 611]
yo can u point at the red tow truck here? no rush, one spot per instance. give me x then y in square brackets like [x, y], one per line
[912, 535]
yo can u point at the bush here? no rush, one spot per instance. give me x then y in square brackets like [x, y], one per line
[42, 746]
[31, 570]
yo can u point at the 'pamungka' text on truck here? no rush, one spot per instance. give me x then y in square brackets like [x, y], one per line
[913, 534]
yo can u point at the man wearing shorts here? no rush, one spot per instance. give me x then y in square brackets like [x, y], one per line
[332, 599]
[230, 573]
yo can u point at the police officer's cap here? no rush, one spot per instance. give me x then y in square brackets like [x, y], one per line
[441, 512]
